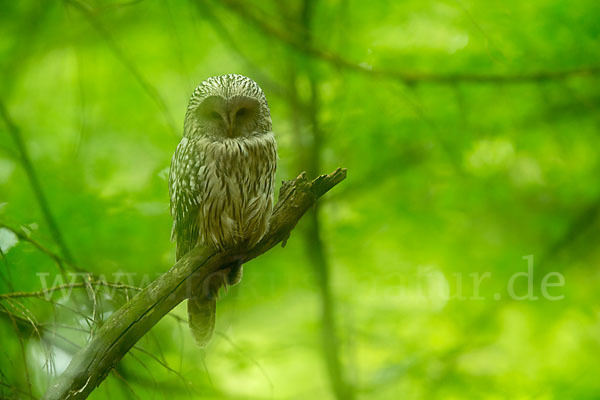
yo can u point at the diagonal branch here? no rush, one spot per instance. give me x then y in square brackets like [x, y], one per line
[126, 326]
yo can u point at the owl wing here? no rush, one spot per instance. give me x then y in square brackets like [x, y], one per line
[185, 193]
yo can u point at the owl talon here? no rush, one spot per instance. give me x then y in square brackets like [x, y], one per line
[235, 272]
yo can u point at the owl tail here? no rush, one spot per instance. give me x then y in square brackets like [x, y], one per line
[202, 304]
[201, 318]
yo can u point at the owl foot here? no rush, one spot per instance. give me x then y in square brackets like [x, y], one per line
[229, 275]
[235, 272]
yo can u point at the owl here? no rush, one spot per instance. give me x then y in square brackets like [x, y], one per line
[221, 182]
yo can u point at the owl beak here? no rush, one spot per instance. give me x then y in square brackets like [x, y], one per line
[230, 124]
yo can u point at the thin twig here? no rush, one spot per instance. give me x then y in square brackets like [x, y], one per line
[52, 290]
[25, 323]
[143, 364]
[162, 363]
[125, 383]
[27, 315]
[76, 311]
[22, 345]
[251, 359]
[22, 236]
[16, 389]
[7, 280]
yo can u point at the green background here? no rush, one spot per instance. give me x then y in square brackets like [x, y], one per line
[467, 149]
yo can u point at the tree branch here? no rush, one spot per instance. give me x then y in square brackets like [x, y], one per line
[407, 77]
[126, 326]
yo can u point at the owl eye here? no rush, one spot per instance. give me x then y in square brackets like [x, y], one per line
[241, 112]
[214, 115]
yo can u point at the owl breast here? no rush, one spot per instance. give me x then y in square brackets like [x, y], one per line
[236, 194]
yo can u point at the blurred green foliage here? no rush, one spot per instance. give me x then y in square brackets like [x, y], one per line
[445, 180]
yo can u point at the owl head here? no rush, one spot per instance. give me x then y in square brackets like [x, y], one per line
[226, 107]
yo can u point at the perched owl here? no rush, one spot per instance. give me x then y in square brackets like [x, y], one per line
[221, 182]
